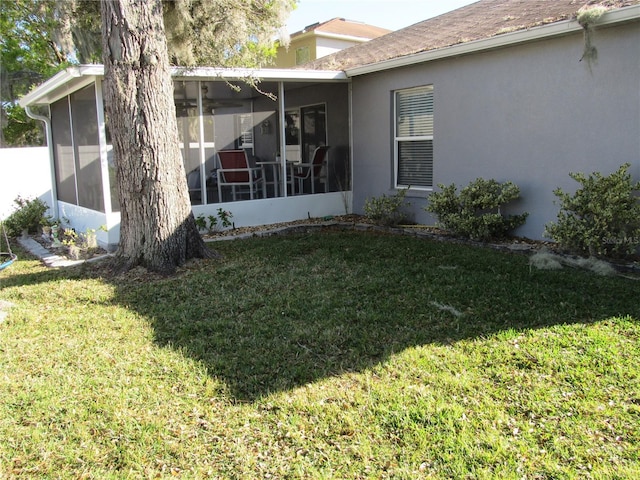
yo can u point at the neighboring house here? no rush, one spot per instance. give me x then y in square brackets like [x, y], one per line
[321, 39]
[496, 89]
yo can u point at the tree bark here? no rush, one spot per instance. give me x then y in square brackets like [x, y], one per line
[157, 229]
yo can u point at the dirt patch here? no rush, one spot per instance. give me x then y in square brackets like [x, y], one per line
[260, 229]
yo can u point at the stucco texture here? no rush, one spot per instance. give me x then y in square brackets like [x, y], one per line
[529, 113]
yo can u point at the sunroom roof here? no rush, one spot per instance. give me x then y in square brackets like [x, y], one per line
[79, 76]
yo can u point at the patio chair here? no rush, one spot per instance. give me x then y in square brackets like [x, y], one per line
[312, 170]
[238, 171]
[194, 184]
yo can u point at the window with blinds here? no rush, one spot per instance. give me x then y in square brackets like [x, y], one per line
[244, 130]
[414, 137]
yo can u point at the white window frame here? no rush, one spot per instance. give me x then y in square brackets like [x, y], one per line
[244, 131]
[411, 138]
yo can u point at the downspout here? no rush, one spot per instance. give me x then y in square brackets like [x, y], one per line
[49, 135]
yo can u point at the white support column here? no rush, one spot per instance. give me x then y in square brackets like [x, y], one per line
[104, 153]
[283, 140]
[201, 152]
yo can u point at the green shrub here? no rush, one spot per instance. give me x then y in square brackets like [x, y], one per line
[28, 215]
[387, 210]
[475, 212]
[221, 220]
[601, 218]
[201, 223]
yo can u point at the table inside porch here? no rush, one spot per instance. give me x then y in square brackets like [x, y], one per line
[276, 172]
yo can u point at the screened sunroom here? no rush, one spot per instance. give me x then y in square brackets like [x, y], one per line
[275, 124]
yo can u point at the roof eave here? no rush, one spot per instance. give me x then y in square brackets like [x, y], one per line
[77, 77]
[302, 35]
[67, 81]
[557, 29]
[264, 74]
[339, 36]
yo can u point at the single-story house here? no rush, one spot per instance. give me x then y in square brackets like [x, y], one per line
[497, 89]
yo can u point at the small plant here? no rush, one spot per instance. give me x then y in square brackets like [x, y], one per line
[76, 245]
[201, 223]
[224, 218]
[214, 223]
[68, 237]
[341, 173]
[28, 216]
[387, 210]
[601, 218]
[476, 212]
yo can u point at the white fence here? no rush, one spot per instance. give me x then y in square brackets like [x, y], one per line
[25, 172]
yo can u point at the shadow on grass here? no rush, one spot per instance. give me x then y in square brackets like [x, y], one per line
[22, 271]
[278, 313]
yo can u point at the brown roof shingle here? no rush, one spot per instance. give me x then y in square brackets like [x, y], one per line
[479, 20]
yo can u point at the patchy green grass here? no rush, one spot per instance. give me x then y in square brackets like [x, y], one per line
[331, 355]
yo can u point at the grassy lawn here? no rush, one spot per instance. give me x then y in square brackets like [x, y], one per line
[332, 355]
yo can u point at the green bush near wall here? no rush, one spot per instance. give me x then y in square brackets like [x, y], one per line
[28, 216]
[601, 218]
[387, 210]
[476, 212]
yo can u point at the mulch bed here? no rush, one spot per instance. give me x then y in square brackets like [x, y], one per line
[357, 222]
[353, 222]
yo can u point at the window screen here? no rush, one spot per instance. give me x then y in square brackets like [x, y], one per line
[414, 137]
[76, 150]
[63, 152]
[84, 117]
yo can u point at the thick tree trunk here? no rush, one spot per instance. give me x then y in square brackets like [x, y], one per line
[157, 227]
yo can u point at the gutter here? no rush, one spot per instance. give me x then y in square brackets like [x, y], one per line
[47, 129]
[557, 29]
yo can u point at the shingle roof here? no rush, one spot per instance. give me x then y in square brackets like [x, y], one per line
[341, 26]
[479, 20]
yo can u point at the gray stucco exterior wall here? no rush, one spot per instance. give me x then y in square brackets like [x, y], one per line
[529, 113]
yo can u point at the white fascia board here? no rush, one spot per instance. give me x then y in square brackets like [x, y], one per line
[337, 36]
[557, 29]
[61, 84]
[77, 77]
[263, 74]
